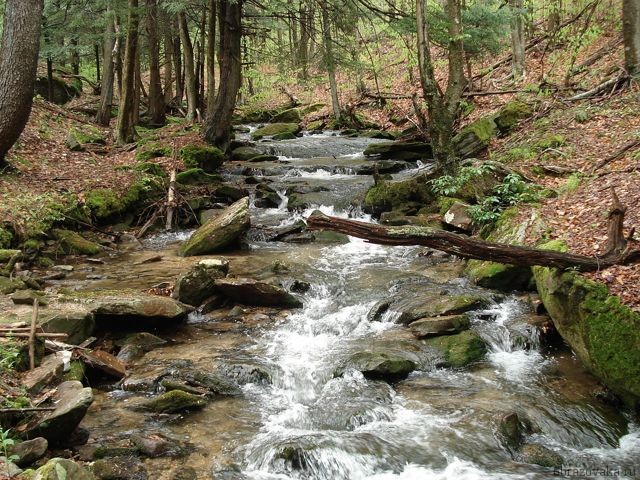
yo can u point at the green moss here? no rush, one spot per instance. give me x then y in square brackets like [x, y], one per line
[6, 238]
[72, 243]
[499, 276]
[603, 333]
[445, 203]
[572, 184]
[387, 196]
[511, 114]
[316, 125]
[152, 150]
[550, 141]
[483, 128]
[197, 156]
[107, 204]
[76, 371]
[151, 168]
[196, 176]
[88, 134]
[291, 115]
[175, 401]
[306, 110]
[275, 129]
[461, 349]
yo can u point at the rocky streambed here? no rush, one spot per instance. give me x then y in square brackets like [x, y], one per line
[318, 356]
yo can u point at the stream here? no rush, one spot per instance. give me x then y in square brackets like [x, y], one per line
[302, 421]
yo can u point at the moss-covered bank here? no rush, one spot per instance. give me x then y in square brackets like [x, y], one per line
[603, 333]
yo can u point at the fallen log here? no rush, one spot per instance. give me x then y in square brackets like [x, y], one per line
[473, 248]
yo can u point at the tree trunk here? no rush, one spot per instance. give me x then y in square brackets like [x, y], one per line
[189, 72]
[631, 34]
[306, 18]
[517, 39]
[218, 124]
[75, 57]
[125, 127]
[156, 98]
[96, 48]
[177, 63]
[211, 57]
[329, 59]
[168, 64]
[442, 107]
[18, 65]
[468, 247]
[109, 65]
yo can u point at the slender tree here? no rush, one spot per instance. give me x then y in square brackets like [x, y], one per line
[156, 97]
[109, 65]
[517, 39]
[189, 69]
[443, 107]
[211, 57]
[329, 59]
[631, 34]
[218, 124]
[125, 127]
[18, 65]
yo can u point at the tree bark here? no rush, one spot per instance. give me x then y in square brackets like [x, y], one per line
[329, 59]
[218, 124]
[517, 39]
[468, 247]
[109, 60]
[211, 57]
[168, 63]
[189, 72]
[18, 64]
[443, 108]
[631, 34]
[156, 97]
[125, 127]
[177, 63]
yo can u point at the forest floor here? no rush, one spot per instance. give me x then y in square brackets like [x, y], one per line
[582, 133]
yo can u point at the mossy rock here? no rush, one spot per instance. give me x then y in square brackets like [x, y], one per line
[284, 136]
[76, 371]
[540, 455]
[106, 204]
[437, 326]
[197, 176]
[445, 203]
[62, 91]
[72, 243]
[604, 333]
[204, 157]
[275, 129]
[499, 276]
[62, 469]
[245, 153]
[382, 364]
[475, 137]
[6, 238]
[550, 141]
[387, 196]
[174, 401]
[408, 151]
[509, 115]
[8, 254]
[8, 286]
[87, 135]
[313, 108]
[316, 126]
[291, 115]
[460, 350]
[151, 168]
[257, 115]
[152, 150]
[379, 134]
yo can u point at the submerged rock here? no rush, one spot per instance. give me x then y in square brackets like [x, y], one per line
[198, 284]
[174, 401]
[276, 129]
[219, 232]
[253, 292]
[72, 401]
[120, 468]
[540, 455]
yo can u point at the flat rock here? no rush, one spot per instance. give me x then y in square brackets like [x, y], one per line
[198, 284]
[219, 232]
[253, 292]
[49, 372]
[29, 451]
[436, 326]
[174, 401]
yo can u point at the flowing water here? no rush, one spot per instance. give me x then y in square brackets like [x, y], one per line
[308, 423]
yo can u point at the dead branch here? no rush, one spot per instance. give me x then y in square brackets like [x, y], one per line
[605, 87]
[468, 247]
[32, 335]
[617, 154]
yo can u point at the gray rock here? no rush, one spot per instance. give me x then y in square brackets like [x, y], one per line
[253, 292]
[29, 451]
[436, 326]
[540, 455]
[382, 364]
[49, 372]
[220, 232]
[174, 401]
[9, 468]
[458, 216]
[72, 402]
[198, 284]
[120, 468]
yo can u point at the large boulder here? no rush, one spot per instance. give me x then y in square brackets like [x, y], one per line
[405, 196]
[475, 137]
[72, 243]
[174, 401]
[253, 292]
[198, 284]
[79, 138]
[414, 303]
[499, 276]
[62, 91]
[128, 305]
[201, 156]
[219, 232]
[408, 151]
[29, 451]
[291, 115]
[72, 401]
[389, 365]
